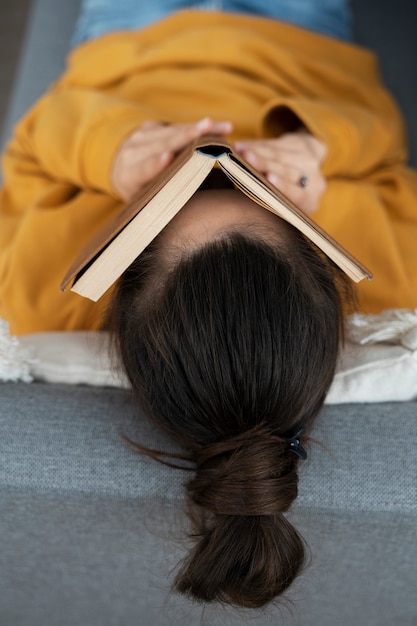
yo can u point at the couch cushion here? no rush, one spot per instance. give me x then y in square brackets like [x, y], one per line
[59, 437]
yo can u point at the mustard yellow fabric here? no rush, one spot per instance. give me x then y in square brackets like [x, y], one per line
[260, 74]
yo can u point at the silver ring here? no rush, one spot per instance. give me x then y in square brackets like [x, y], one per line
[303, 182]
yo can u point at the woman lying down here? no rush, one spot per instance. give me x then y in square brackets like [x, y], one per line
[229, 323]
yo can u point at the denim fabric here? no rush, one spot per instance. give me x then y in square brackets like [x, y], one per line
[97, 17]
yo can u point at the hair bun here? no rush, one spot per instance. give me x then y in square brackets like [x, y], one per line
[242, 556]
[250, 475]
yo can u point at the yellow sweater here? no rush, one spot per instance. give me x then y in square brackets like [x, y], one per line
[260, 74]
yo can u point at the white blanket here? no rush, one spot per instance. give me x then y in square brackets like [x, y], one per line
[378, 362]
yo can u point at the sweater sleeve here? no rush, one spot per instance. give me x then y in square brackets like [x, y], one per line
[376, 220]
[370, 204]
[56, 194]
[72, 135]
[358, 138]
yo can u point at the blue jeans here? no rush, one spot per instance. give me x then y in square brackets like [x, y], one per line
[97, 17]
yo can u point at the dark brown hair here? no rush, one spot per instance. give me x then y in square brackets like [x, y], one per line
[229, 352]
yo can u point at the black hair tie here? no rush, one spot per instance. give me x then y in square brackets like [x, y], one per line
[294, 444]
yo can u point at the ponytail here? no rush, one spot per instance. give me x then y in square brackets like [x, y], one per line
[247, 552]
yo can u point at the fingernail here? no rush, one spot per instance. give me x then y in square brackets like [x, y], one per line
[240, 145]
[251, 157]
[274, 179]
[203, 124]
[225, 127]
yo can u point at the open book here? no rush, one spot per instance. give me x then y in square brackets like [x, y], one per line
[116, 246]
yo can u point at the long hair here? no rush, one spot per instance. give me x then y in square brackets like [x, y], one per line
[230, 351]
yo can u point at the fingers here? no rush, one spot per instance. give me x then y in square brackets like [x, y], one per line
[148, 169]
[275, 170]
[292, 164]
[306, 198]
[132, 172]
[298, 143]
[174, 137]
[150, 148]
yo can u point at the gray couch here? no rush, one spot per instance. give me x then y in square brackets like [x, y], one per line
[91, 533]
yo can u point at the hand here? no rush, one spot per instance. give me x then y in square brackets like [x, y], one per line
[150, 148]
[292, 164]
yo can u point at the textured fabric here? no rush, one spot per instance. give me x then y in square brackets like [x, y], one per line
[92, 533]
[114, 84]
[15, 361]
[71, 559]
[57, 437]
[66, 438]
[379, 364]
[98, 17]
